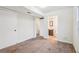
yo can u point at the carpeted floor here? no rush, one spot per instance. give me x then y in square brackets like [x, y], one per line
[40, 45]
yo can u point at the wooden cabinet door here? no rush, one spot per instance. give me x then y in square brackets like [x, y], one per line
[50, 32]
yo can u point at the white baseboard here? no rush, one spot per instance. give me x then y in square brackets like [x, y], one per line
[14, 43]
[65, 41]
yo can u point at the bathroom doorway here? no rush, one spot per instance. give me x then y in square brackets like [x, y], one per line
[52, 26]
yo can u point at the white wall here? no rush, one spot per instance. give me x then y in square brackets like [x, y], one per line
[11, 20]
[26, 27]
[44, 27]
[37, 25]
[65, 24]
[76, 28]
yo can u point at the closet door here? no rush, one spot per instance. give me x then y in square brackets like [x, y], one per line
[8, 23]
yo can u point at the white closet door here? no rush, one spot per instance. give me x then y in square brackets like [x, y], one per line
[8, 23]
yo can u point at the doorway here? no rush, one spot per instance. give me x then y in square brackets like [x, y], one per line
[52, 27]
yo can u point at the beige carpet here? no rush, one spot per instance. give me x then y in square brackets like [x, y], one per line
[40, 45]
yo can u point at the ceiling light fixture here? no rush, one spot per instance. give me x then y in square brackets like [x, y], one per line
[29, 12]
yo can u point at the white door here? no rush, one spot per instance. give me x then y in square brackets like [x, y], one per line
[8, 23]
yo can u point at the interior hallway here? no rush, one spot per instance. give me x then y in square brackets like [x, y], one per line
[40, 45]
